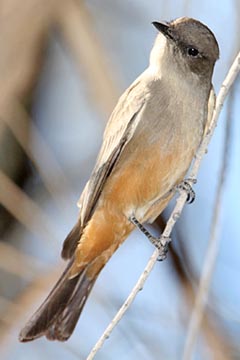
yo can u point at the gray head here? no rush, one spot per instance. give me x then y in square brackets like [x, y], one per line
[192, 44]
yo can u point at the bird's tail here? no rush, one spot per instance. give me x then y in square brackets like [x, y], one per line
[56, 318]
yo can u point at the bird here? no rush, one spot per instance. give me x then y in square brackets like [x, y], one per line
[148, 146]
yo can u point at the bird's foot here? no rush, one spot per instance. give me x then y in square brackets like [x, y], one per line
[186, 185]
[161, 243]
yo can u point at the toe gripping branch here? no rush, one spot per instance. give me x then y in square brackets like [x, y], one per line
[186, 185]
[161, 243]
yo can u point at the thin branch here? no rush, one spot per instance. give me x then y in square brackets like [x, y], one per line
[212, 247]
[227, 83]
[125, 306]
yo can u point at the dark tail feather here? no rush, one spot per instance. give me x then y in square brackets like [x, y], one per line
[64, 325]
[57, 316]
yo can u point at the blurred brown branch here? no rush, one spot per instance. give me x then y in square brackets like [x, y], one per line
[23, 55]
[54, 178]
[25, 210]
[23, 28]
[77, 27]
[23, 302]
[217, 339]
[16, 262]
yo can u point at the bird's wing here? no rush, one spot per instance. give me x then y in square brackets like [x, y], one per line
[118, 132]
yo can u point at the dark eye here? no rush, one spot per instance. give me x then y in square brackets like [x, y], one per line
[192, 52]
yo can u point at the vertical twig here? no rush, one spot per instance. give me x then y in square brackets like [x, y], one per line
[213, 244]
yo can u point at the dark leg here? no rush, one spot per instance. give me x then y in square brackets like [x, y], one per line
[160, 243]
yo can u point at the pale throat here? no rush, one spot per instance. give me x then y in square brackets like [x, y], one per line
[158, 56]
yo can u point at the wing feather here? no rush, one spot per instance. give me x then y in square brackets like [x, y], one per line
[119, 130]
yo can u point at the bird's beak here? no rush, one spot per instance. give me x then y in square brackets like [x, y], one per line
[162, 27]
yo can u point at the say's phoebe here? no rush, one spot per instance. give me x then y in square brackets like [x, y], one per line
[148, 145]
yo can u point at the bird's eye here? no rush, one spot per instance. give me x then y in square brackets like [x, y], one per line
[192, 51]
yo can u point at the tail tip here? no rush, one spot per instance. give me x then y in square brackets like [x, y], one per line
[26, 334]
[22, 337]
[51, 334]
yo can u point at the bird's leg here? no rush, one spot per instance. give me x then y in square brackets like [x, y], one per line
[186, 186]
[161, 243]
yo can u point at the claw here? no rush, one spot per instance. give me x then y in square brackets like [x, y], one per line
[163, 249]
[186, 186]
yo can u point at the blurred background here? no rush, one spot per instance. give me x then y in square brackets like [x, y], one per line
[63, 64]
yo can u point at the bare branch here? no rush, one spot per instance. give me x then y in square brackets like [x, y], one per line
[212, 247]
[227, 83]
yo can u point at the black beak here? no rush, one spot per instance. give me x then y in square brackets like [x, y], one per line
[162, 27]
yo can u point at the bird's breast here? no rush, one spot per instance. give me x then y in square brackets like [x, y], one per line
[158, 155]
